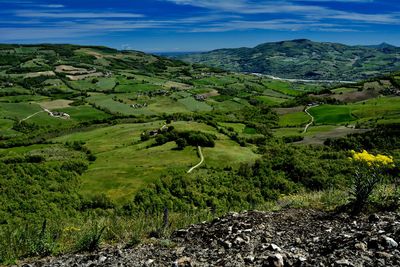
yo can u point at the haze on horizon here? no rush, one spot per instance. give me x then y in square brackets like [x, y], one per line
[197, 25]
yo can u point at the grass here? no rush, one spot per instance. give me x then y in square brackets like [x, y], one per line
[124, 164]
[193, 105]
[237, 127]
[294, 119]
[377, 107]
[6, 128]
[55, 104]
[106, 101]
[22, 98]
[344, 90]
[105, 84]
[167, 105]
[282, 87]
[332, 114]
[121, 171]
[282, 132]
[270, 100]
[84, 113]
[18, 110]
[270, 92]
[227, 153]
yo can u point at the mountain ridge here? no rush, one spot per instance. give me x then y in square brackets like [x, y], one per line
[304, 59]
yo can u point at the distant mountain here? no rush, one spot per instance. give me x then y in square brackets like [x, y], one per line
[304, 59]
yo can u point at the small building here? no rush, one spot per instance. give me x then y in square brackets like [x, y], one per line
[200, 97]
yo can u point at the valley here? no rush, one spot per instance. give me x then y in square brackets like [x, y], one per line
[93, 134]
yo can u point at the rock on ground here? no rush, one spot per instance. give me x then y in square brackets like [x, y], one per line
[276, 239]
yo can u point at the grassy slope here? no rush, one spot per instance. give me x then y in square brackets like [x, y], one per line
[124, 164]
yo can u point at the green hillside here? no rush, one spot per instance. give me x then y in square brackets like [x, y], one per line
[304, 59]
[96, 143]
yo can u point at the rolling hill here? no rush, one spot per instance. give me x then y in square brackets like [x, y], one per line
[96, 143]
[304, 59]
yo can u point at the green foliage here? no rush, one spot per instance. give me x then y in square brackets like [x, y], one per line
[91, 239]
[384, 137]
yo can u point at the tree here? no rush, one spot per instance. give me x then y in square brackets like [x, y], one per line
[181, 143]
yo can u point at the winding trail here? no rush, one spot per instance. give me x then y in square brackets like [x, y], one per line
[312, 118]
[30, 116]
[201, 160]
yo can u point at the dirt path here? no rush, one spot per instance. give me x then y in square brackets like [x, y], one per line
[312, 118]
[30, 116]
[201, 160]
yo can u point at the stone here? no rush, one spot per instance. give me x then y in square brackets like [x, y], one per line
[361, 246]
[102, 259]
[227, 244]
[343, 262]
[239, 241]
[277, 260]
[249, 259]
[390, 242]
[184, 262]
[274, 247]
[179, 250]
[149, 262]
[384, 255]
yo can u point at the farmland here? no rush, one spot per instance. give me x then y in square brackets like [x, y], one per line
[115, 132]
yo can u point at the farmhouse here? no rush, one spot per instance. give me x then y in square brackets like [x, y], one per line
[58, 114]
[200, 97]
[139, 105]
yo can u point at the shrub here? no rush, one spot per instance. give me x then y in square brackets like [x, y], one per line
[91, 239]
[369, 173]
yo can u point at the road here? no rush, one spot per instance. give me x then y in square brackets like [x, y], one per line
[30, 116]
[312, 118]
[201, 160]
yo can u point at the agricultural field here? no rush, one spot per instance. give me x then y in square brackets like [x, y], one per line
[114, 133]
[332, 114]
[124, 164]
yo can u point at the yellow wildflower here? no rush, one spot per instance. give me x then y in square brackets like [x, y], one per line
[370, 159]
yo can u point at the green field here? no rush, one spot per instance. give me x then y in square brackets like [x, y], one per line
[115, 107]
[294, 119]
[193, 105]
[330, 114]
[124, 164]
[18, 111]
[84, 113]
[270, 100]
[377, 108]
[282, 87]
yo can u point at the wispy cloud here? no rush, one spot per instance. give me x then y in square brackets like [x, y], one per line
[52, 6]
[74, 15]
[46, 20]
[292, 8]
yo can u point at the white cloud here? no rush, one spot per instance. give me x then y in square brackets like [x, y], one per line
[311, 10]
[74, 15]
[52, 6]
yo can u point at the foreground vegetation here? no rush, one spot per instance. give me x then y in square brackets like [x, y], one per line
[96, 143]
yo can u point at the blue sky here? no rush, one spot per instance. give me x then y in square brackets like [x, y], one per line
[197, 25]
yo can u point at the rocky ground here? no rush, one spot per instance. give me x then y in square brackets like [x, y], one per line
[284, 238]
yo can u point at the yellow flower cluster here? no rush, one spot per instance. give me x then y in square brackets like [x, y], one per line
[71, 229]
[370, 159]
